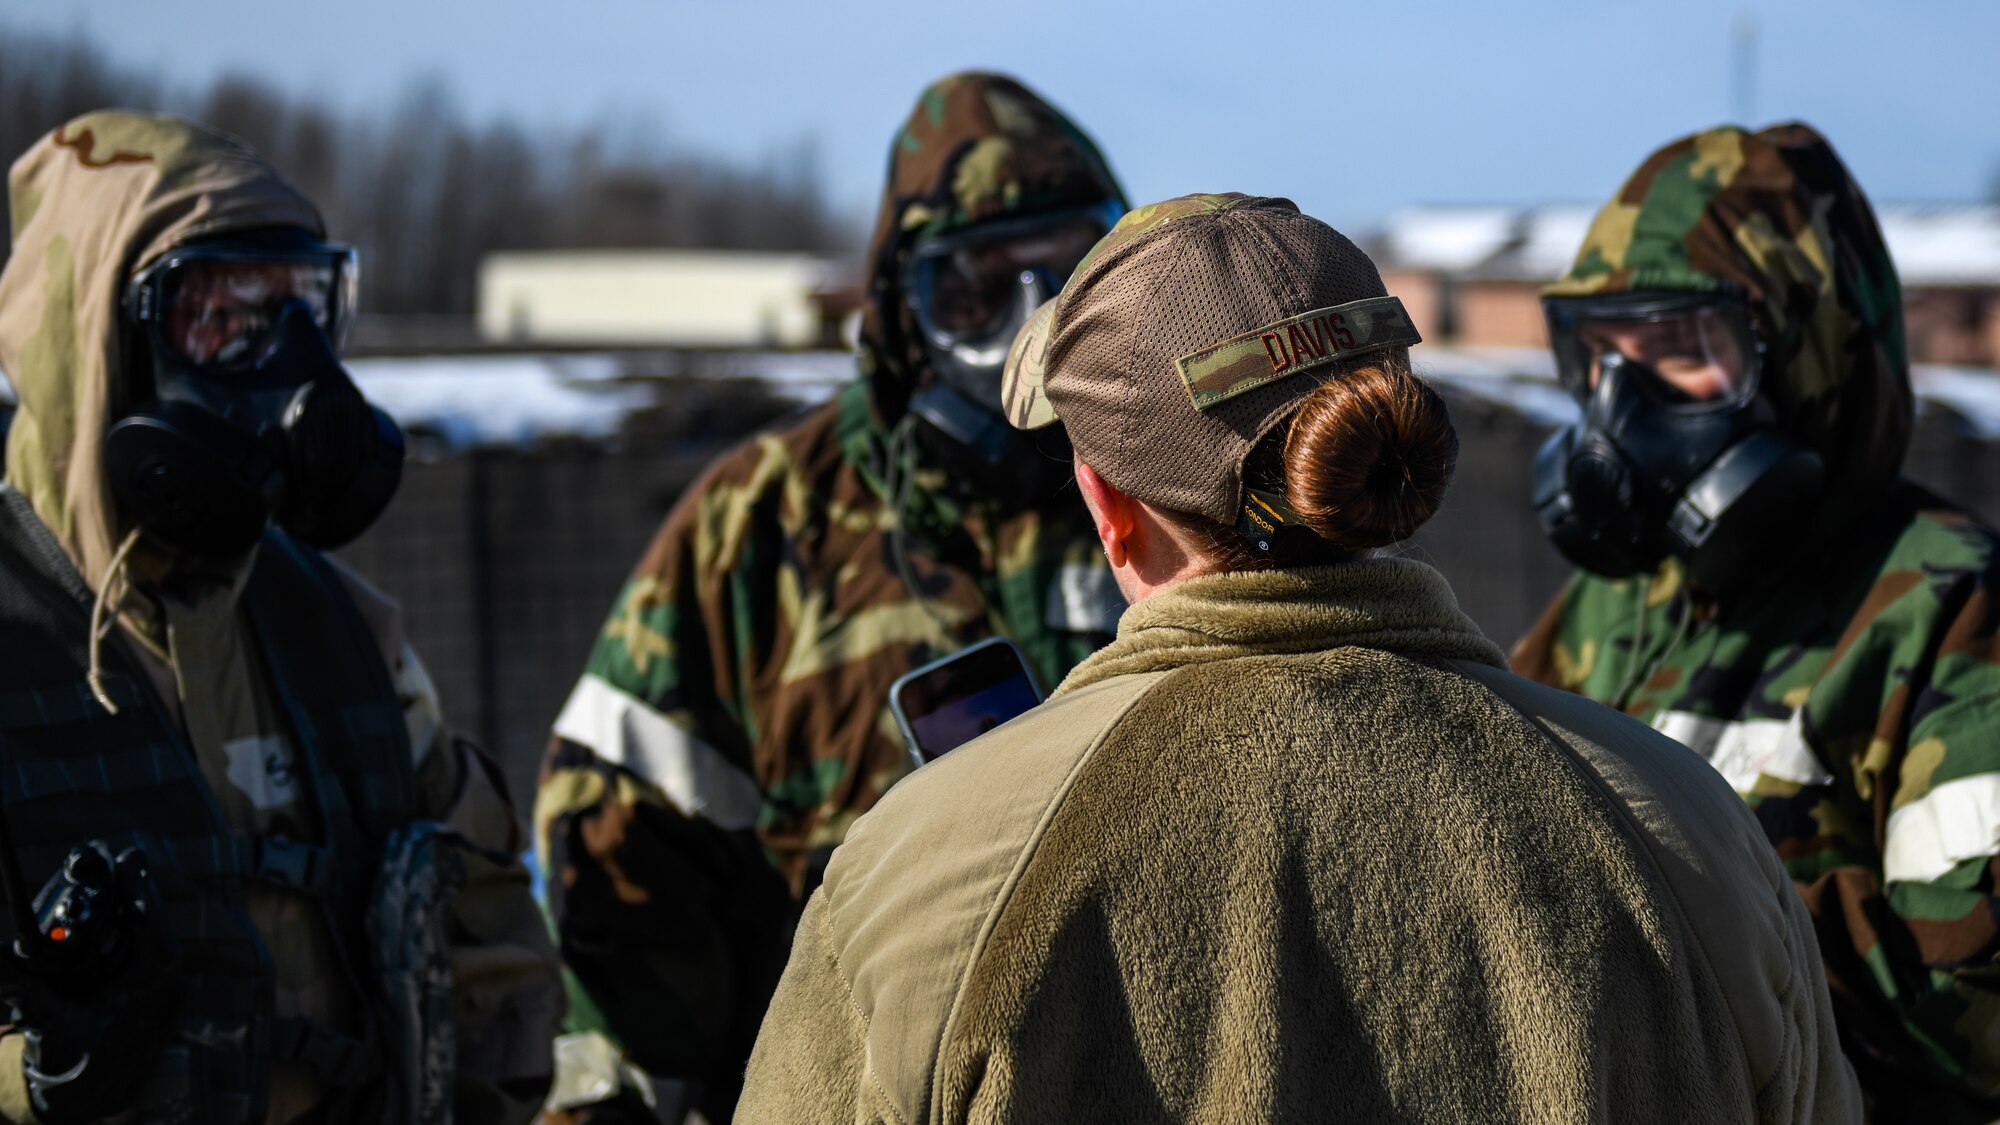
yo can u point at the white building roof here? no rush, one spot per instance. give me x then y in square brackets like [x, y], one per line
[1452, 239]
[1932, 243]
[1944, 243]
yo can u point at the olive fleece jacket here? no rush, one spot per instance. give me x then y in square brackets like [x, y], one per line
[1295, 847]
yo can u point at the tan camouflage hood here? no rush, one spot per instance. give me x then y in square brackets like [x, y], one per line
[91, 203]
[1776, 216]
[976, 148]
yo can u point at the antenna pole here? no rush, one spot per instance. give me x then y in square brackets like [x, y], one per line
[1743, 68]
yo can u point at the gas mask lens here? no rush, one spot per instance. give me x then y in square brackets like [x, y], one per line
[1686, 351]
[216, 310]
[968, 286]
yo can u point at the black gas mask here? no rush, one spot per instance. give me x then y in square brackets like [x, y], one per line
[252, 420]
[971, 291]
[1678, 452]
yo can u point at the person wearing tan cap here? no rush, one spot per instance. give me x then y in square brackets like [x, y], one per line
[1295, 846]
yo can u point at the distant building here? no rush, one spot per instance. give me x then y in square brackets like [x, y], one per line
[667, 298]
[1471, 275]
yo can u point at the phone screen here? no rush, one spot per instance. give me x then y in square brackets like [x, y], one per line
[952, 701]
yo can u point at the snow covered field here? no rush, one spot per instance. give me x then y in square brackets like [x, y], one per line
[512, 399]
[515, 399]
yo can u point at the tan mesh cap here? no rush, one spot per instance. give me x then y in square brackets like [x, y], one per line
[1188, 333]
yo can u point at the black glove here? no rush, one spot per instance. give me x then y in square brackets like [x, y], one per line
[94, 997]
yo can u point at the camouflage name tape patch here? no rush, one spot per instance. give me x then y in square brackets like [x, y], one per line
[1302, 343]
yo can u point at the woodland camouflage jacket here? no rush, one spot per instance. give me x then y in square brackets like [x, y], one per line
[732, 720]
[1854, 698]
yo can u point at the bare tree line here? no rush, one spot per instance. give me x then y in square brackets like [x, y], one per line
[425, 193]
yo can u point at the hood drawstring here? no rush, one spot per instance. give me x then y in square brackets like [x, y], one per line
[899, 476]
[104, 615]
[1638, 661]
[1641, 667]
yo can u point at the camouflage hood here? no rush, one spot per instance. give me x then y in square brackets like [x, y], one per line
[976, 148]
[1776, 216]
[92, 203]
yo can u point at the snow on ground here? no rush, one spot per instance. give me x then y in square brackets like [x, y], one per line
[810, 377]
[1973, 393]
[516, 399]
[1522, 378]
[507, 399]
[501, 399]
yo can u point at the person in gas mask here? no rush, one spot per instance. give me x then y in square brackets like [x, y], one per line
[274, 887]
[733, 718]
[1759, 581]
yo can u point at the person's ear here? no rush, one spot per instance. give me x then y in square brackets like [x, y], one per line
[1117, 514]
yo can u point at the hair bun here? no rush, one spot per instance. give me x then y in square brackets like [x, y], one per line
[1369, 455]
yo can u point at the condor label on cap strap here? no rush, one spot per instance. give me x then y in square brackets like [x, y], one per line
[1301, 343]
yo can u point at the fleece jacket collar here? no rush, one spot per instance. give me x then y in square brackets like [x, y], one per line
[1396, 604]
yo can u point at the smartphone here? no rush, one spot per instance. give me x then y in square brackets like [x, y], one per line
[952, 701]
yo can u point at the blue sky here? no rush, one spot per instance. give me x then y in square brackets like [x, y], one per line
[1350, 109]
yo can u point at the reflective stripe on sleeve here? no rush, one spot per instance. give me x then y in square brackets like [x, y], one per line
[1745, 749]
[1084, 598]
[590, 1069]
[621, 729]
[1954, 822]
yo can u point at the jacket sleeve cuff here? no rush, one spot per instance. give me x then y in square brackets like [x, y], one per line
[14, 1104]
